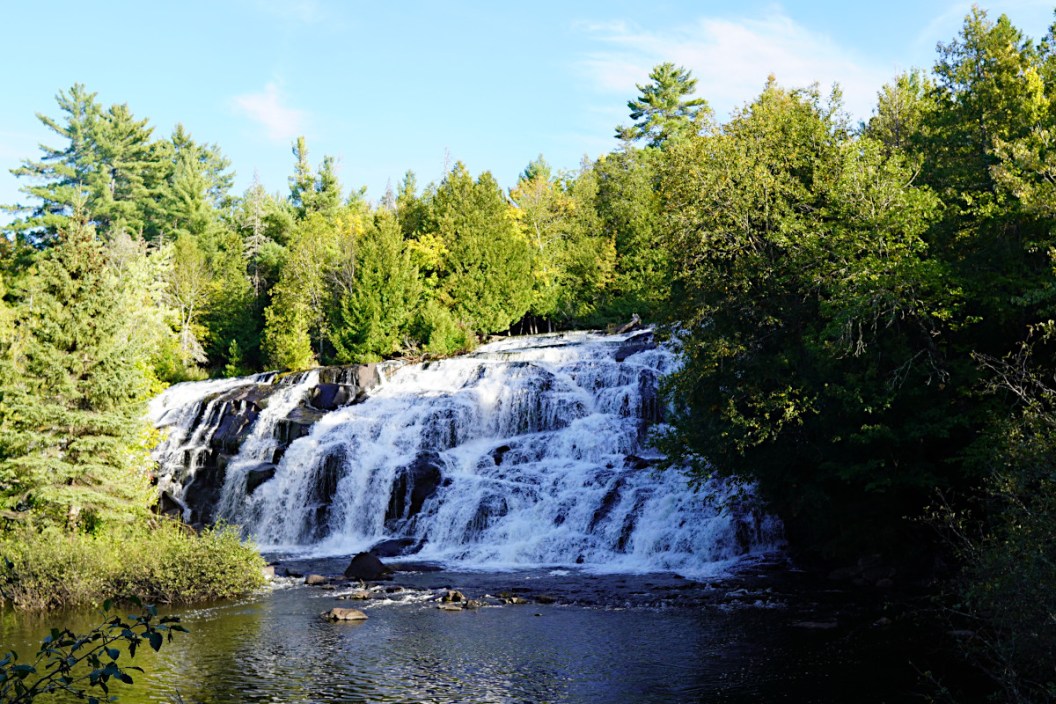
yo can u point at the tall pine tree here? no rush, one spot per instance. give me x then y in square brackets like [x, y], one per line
[72, 434]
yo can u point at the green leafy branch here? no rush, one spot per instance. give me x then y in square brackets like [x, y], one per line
[64, 656]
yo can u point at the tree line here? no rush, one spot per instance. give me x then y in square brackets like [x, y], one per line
[865, 310]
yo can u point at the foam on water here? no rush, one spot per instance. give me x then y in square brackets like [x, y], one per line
[541, 444]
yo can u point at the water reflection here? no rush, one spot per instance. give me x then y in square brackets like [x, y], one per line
[277, 649]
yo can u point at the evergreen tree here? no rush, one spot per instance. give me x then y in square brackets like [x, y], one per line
[110, 165]
[297, 320]
[559, 220]
[629, 209]
[485, 278]
[664, 112]
[61, 174]
[72, 434]
[374, 314]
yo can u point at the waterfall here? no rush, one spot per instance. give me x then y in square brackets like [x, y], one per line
[530, 451]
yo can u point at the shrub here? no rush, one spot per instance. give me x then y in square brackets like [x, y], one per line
[167, 564]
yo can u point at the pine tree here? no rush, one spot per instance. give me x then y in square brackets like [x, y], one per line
[663, 112]
[61, 174]
[72, 434]
[110, 166]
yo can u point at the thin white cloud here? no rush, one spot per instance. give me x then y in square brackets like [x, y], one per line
[731, 59]
[946, 25]
[281, 123]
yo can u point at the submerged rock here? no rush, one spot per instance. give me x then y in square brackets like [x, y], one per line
[339, 614]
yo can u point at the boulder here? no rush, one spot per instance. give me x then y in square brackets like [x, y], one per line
[368, 568]
[633, 345]
[415, 484]
[339, 614]
[393, 547]
[329, 397]
[453, 596]
[256, 477]
[499, 453]
[169, 505]
[314, 580]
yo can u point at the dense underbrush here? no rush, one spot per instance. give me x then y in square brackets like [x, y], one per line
[167, 564]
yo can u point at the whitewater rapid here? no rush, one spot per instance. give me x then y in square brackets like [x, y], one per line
[529, 452]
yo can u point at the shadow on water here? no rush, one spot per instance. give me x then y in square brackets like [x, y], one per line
[650, 638]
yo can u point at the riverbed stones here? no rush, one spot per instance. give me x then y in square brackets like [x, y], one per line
[368, 568]
[340, 614]
[315, 580]
[453, 596]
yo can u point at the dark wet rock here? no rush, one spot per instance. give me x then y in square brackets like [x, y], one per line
[499, 453]
[357, 595]
[545, 599]
[651, 409]
[368, 568]
[325, 477]
[489, 509]
[415, 484]
[636, 462]
[453, 595]
[169, 505]
[256, 477]
[641, 342]
[394, 547]
[608, 502]
[339, 614]
[330, 397]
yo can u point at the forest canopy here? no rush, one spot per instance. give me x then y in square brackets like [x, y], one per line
[865, 310]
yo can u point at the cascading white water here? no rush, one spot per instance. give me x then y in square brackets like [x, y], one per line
[190, 412]
[528, 452]
[262, 442]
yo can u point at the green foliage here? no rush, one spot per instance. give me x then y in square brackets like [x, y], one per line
[109, 166]
[167, 563]
[573, 262]
[81, 664]
[629, 209]
[814, 320]
[296, 327]
[662, 113]
[1004, 540]
[441, 335]
[484, 276]
[72, 438]
[374, 313]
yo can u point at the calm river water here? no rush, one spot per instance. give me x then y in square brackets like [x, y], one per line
[651, 638]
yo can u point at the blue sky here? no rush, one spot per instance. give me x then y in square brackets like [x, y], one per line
[387, 87]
